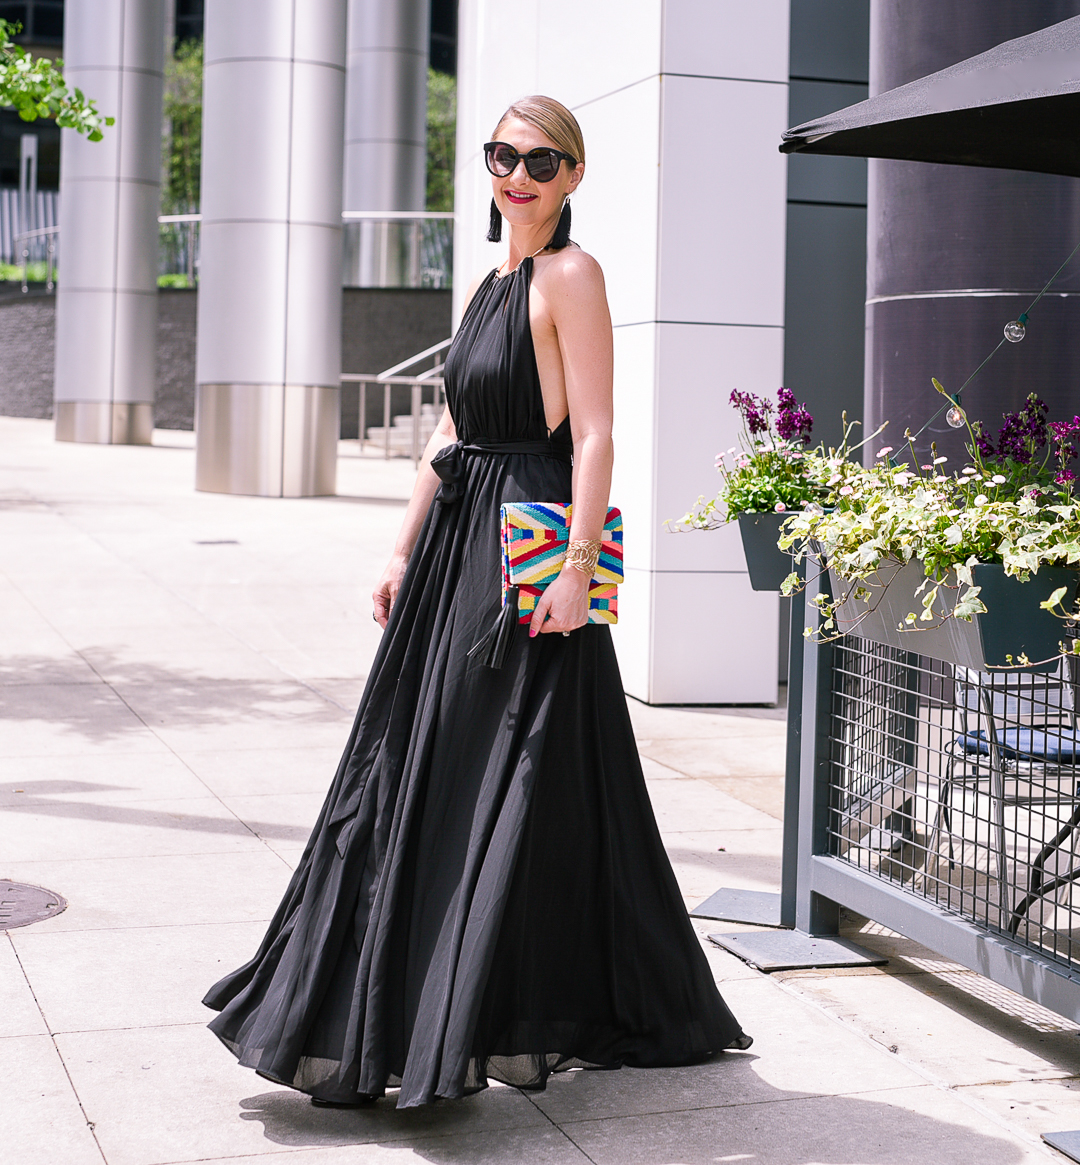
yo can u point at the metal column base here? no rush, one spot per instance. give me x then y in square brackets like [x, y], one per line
[1067, 1143]
[792, 950]
[101, 422]
[752, 907]
[271, 440]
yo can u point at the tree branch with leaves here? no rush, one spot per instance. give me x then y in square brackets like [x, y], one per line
[35, 87]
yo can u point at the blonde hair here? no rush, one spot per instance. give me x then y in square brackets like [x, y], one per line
[552, 118]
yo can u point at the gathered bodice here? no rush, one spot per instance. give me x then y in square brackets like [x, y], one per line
[492, 382]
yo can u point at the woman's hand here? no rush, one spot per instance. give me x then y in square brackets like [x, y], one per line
[564, 605]
[385, 594]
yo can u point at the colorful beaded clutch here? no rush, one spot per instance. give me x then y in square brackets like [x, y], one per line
[534, 541]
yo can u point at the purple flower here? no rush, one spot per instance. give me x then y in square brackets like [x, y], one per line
[755, 411]
[982, 442]
[1024, 432]
[792, 422]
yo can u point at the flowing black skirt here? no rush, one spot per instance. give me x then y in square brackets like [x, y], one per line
[485, 892]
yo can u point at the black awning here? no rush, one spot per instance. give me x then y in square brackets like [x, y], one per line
[1016, 106]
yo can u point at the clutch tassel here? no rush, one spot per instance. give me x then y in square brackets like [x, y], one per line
[493, 649]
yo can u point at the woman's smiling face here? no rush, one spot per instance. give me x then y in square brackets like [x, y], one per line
[520, 198]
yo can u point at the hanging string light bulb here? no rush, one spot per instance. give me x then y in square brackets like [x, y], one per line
[956, 417]
[1015, 330]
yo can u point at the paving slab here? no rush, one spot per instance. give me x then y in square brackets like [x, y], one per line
[1036, 1106]
[688, 805]
[69, 719]
[30, 781]
[742, 755]
[794, 1054]
[235, 714]
[897, 1127]
[244, 772]
[174, 890]
[19, 1012]
[137, 661]
[536, 1146]
[68, 827]
[41, 1122]
[287, 817]
[170, 1094]
[134, 977]
[744, 859]
[925, 1020]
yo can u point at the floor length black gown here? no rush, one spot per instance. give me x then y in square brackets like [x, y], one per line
[485, 892]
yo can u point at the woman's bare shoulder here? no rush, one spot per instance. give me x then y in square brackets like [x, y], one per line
[572, 271]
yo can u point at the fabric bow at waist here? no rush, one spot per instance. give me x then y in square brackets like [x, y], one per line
[449, 462]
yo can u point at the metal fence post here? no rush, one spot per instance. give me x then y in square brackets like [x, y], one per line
[814, 914]
[789, 871]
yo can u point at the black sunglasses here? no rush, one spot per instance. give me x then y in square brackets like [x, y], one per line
[541, 164]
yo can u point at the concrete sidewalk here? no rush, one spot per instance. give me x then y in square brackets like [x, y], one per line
[179, 672]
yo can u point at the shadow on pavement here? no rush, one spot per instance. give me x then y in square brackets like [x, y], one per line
[772, 1126]
[38, 799]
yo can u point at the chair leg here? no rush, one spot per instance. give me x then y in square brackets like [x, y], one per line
[1037, 888]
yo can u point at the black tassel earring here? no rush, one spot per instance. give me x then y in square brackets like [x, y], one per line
[494, 234]
[562, 232]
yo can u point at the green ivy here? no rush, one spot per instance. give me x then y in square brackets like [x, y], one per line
[34, 87]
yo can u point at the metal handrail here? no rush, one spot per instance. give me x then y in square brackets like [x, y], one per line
[50, 251]
[392, 215]
[417, 358]
[416, 383]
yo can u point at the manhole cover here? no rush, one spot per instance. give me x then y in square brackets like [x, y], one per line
[21, 905]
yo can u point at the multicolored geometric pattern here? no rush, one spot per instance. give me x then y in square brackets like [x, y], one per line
[534, 538]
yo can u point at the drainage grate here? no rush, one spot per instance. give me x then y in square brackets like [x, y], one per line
[20, 905]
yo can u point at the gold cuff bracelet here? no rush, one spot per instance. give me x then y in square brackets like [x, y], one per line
[583, 555]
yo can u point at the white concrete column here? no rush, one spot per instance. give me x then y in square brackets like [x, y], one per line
[385, 136]
[106, 303]
[683, 204]
[269, 328]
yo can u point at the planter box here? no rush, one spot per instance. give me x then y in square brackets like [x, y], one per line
[1013, 624]
[767, 563]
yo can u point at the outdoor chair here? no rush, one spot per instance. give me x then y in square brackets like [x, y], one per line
[1017, 729]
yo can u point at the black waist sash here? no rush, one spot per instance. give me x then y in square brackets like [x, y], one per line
[449, 462]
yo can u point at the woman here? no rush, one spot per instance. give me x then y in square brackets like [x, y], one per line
[485, 892]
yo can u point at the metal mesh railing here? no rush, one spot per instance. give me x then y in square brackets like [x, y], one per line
[961, 786]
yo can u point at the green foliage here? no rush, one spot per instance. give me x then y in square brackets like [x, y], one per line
[175, 279]
[36, 272]
[767, 472]
[182, 146]
[35, 87]
[891, 514]
[441, 131]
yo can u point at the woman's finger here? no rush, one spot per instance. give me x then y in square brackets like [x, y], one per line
[536, 624]
[381, 604]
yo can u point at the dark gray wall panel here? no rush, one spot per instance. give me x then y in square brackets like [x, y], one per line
[380, 326]
[823, 340]
[27, 328]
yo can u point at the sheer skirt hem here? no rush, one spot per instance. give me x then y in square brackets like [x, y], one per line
[330, 1079]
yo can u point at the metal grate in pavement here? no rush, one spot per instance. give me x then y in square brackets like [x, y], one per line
[20, 904]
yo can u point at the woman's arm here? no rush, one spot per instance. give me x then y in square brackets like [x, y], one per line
[579, 310]
[427, 482]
